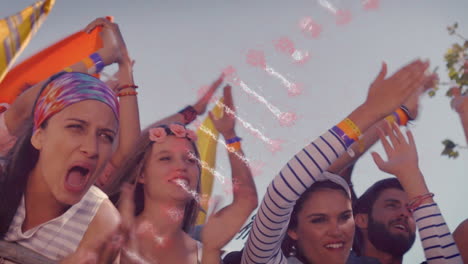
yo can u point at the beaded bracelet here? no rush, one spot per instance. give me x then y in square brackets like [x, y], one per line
[127, 86]
[418, 200]
[189, 114]
[127, 93]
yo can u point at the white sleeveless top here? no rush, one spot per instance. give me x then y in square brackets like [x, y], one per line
[60, 236]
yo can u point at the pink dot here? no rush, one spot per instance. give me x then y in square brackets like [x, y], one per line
[343, 17]
[256, 168]
[295, 89]
[310, 28]
[229, 71]
[371, 4]
[285, 45]
[301, 57]
[230, 75]
[256, 58]
[275, 145]
[202, 91]
[197, 123]
[287, 119]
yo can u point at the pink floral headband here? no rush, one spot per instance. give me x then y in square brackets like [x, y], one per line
[159, 134]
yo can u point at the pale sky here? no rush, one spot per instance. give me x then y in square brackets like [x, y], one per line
[180, 46]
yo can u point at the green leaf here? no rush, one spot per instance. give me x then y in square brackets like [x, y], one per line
[448, 143]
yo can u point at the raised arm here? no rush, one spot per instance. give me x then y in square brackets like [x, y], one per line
[189, 113]
[21, 108]
[222, 226]
[306, 167]
[371, 136]
[437, 241]
[460, 104]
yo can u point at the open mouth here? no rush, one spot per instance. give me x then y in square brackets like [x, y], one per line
[182, 182]
[401, 227]
[77, 178]
[335, 245]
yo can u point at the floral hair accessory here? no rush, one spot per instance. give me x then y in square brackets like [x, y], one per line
[158, 134]
[192, 135]
[178, 130]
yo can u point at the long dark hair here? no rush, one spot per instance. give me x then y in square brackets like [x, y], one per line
[133, 167]
[19, 162]
[289, 245]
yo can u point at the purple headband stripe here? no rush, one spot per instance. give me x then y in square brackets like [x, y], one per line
[70, 88]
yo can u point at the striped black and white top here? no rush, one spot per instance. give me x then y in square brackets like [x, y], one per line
[305, 168]
[60, 236]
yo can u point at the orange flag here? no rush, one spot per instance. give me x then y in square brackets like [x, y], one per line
[51, 60]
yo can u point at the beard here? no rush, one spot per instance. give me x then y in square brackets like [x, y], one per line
[382, 239]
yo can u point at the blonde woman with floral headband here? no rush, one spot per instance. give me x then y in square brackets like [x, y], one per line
[165, 170]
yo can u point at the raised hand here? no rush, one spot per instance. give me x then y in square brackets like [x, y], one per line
[102, 251]
[119, 77]
[114, 48]
[200, 105]
[412, 102]
[225, 125]
[138, 238]
[386, 94]
[402, 159]
[459, 101]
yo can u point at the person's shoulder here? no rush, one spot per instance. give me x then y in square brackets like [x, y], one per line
[106, 221]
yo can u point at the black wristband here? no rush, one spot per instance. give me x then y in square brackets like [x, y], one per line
[189, 114]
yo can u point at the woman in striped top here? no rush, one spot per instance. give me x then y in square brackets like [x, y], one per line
[48, 203]
[307, 166]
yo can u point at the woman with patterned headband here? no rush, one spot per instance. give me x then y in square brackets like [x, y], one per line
[48, 203]
[165, 170]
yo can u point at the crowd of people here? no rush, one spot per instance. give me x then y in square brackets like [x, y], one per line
[80, 182]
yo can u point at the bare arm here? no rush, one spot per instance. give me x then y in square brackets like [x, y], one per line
[21, 108]
[222, 226]
[437, 241]
[460, 104]
[199, 106]
[371, 136]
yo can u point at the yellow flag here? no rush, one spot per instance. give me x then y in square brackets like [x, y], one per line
[207, 142]
[17, 30]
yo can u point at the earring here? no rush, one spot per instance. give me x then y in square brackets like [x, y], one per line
[293, 251]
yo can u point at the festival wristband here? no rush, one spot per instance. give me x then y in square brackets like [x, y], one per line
[98, 63]
[233, 147]
[348, 131]
[233, 140]
[400, 116]
[189, 114]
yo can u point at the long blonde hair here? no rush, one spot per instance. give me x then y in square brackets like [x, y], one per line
[133, 167]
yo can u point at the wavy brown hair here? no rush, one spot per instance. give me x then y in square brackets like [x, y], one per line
[133, 167]
[289, 245]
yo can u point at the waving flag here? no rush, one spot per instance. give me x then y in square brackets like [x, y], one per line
[207, 144]
[17, 30]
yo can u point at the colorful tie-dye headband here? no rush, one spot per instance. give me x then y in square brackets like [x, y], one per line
[68, 88]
